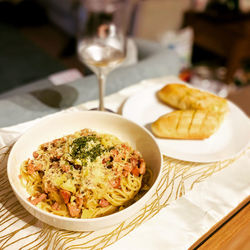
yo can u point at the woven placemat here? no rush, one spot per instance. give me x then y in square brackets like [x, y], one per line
[20, 230]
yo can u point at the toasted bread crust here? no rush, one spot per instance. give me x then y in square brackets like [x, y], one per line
[182, 97]
[187, 124]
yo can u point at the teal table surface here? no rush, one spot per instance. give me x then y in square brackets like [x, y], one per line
[42, 97]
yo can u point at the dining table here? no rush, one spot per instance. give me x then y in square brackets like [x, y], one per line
[197, 205]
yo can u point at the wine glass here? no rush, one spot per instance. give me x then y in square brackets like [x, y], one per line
[102, 43]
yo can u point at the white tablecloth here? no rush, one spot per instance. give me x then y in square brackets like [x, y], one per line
[190, 199]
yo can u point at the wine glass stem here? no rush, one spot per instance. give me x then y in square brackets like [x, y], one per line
[102, 83]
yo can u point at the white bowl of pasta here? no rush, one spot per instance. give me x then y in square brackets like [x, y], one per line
[84, 170]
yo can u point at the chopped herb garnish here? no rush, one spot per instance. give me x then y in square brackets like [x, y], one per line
[80, 148]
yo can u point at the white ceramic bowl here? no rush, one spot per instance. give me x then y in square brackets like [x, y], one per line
[63, 124]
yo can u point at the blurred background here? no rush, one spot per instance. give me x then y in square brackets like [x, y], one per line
[211, 37]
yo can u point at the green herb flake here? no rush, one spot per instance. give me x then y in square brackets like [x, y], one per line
[80, 150]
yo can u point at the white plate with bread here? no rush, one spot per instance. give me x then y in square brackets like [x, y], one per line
[190, 124]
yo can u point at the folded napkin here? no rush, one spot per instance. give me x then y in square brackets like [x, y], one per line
[190, 199]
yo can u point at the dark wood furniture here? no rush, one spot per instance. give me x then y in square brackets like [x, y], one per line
[226, 35]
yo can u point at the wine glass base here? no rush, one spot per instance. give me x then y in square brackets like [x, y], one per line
[105, 110]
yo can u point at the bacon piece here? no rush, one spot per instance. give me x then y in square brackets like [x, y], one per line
[73, 210]
[114, 152]
[126, 147]
[38, 166]
[118, 158]
[137, 153]
[31, 168]
[142, 168]
[55, 155]
[128, 167]
[38, 199]
[65, 195]
[134, 162]
[65, 168]
[55, 164]
[54, 142]
[135, 171]
[45, 146]
[55, 206]
[103, 203]
[115, 155]
[105, 160]
[85, 132]
[59, 155]
[125, 173]
[79, 201]
[115, 183]
[35, 154]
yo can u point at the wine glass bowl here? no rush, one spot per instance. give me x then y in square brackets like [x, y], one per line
[102, 45]
[104, 52]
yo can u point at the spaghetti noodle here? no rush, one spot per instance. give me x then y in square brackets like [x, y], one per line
[85, 175]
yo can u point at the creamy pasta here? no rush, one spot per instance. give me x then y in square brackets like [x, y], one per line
[85, 175]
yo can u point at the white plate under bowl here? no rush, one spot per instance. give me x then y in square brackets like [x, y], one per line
[64, 124]
[232, 137]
